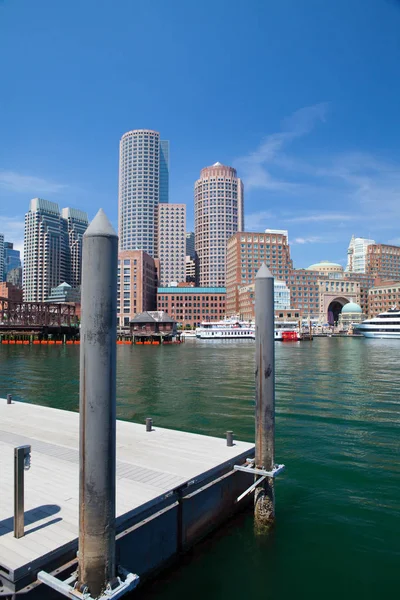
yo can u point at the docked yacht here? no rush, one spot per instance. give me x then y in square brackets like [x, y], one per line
[384, 325]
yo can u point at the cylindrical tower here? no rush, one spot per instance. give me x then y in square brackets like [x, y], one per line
[218, 205]
[139, 189]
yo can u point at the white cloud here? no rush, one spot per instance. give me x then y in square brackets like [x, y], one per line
[253, 166]
[322, 217]
[308, 240]
[17, 182]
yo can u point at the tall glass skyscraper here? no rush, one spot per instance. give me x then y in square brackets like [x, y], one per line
[143, 184]
[12, 259]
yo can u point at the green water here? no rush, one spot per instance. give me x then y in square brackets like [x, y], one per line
[337, 533]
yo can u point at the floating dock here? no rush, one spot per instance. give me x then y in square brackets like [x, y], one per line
[172, 488]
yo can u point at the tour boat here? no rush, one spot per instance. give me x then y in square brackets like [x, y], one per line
[241, 330]
[384, 325]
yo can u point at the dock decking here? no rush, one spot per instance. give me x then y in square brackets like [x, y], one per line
[172, 487]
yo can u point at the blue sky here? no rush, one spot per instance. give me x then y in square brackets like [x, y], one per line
[302, 97]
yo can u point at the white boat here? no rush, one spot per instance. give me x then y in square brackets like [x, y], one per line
[384, 325]
[227, 329]
[241, 330]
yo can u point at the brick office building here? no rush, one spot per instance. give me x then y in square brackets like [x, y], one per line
[192, 305]
[384, 261]
[382, 297]
[246, 252]
[137, 285]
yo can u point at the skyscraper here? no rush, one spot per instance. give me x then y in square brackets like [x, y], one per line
[171, 242]
[143, 184]
[51, 247]
[218, 203]
[357, 255]
[75, 225]
[12, 258]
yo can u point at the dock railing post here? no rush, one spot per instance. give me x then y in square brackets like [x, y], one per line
[264, 500]
[97, 567]
[21, 463]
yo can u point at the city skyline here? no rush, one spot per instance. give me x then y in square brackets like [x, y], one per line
[317, 148]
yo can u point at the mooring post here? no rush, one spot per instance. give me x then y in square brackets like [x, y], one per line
[9, 398]
[149, 424]
[98, 407]
[229, 438]
[264, 500]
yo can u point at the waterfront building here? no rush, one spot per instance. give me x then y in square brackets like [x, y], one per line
[10, 291]
[1, 257]
[14, 276]
[64, 293]
[75, 224]
[152, 322]
[383, 261]
[171, 242]
[218, 204]
[143, 184]
[350, 315]
[246, 252]
[52, 248]
[137, 285]
[382, 297]
[12, 259]
[189, 306]
[357, 254]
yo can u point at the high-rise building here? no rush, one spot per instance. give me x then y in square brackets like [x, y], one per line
[171, 242]
[357, 254]
[218, 203]
[190, 244]
[50, 252]
[245, 254]
[2, 278]
[137, 285]
[143, 183]
[75, 225]
[12, 259]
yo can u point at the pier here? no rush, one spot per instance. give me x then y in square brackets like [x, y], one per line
[172, 489]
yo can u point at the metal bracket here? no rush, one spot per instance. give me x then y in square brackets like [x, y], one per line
[68, 587]
[250, 468]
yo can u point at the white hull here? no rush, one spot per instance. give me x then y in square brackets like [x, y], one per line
[384, 326]
[380, 334]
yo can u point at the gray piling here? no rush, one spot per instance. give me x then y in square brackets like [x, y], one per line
[149, 424]
[264, 500]
[9, 398]
[98, 407]
[229, 438]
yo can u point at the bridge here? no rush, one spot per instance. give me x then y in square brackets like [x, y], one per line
[36, 316]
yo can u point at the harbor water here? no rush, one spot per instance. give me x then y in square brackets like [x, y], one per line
[338, 415]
